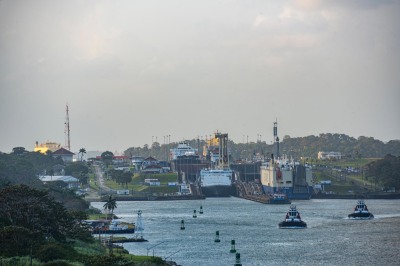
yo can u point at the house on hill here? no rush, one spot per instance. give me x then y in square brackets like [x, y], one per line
[65, 155]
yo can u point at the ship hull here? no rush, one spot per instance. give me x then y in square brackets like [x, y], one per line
[217, 191]
[108, 231]
[289, 192]
[292, 225]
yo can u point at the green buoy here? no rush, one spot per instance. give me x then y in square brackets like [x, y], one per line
[194, 214]
[217, 240]
[182, 225]
[233, 248]
[201, 209]
[237, 263]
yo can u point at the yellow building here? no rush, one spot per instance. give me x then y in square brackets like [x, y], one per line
[48, 146]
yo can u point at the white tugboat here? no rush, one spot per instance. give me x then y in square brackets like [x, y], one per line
[361, 211]
[292, 220]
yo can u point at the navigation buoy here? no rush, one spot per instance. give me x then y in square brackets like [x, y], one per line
[182, 225]
[237, 263]
[233, 248]
[194, 214]
[201, 209]
[217, 237]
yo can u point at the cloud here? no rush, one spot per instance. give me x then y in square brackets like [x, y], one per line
[259, 20]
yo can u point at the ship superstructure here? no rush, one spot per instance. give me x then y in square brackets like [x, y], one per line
[183, 149]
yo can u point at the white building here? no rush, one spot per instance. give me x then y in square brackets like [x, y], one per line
[71, 181]
[332, 155]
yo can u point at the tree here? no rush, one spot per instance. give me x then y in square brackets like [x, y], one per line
[126, 178]
[107, 157]
[81, 152]
[76, 167]
[110, 205]
[30, 218]
[19, 150]
[386, 172]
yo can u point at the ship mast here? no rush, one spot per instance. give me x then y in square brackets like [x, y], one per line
[66, 130]
[276, 139]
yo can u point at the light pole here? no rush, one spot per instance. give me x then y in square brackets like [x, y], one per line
[154, 247]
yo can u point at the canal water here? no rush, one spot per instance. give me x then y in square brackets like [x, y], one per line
[330, 239]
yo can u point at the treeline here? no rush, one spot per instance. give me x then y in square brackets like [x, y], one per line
[39, 220]
[362, 147]
[385, 172]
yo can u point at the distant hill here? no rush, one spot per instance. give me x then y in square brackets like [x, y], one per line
[362, 147]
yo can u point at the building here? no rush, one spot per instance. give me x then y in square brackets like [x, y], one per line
[64, 154]
[332, 155]
[71, 181]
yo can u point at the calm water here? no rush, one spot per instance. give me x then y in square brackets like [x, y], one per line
[330, 239]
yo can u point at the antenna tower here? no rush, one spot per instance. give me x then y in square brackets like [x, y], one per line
[66, 130]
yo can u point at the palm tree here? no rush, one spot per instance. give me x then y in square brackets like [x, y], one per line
[110, 204]
[82, 151]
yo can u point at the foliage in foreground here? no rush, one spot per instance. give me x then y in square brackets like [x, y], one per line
[31, 221]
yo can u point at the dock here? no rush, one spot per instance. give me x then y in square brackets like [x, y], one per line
[252, 191]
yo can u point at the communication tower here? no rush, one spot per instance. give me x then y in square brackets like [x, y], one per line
[66, 130]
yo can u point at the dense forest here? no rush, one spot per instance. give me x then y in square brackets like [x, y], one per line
[386, 172]
[362, 147]
[39, 221]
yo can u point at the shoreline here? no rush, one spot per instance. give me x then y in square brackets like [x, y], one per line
[198, 197]
[357, 196]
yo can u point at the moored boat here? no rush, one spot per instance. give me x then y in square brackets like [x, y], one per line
[111, 227]
[292, 220]
[361, 211]
[279, 198]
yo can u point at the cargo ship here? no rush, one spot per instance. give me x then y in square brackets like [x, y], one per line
[285, 176]
[217, 182]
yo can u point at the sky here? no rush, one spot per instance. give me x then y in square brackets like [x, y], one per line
[133, 72]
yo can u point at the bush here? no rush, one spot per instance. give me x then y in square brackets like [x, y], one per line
[107, 261]
[54, 251]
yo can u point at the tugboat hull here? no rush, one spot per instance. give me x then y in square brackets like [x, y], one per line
[361, 212]
[292, 225]
[361, 216]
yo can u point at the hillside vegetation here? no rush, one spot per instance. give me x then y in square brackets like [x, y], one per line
[362, 147]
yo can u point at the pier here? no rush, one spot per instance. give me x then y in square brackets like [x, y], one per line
[252, 191]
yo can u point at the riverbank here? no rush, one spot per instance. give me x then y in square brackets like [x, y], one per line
[152, 198]
[357, 196]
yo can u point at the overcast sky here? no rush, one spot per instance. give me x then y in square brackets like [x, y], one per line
[131, 70]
